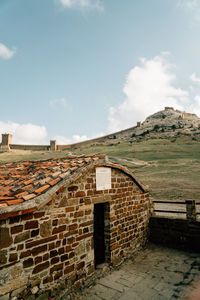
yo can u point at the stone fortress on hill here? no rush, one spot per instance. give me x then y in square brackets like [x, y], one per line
[166, 124]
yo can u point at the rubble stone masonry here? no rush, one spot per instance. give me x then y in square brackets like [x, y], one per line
[54, 245]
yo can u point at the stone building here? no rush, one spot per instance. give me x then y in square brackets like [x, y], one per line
[60, 218]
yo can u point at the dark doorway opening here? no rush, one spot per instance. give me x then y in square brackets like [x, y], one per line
[99, 233]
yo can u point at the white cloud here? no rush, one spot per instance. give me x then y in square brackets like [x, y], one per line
[194, 78]
[62, 140]
[5, 52]
[192, 6]
[24, 133]
[148, 88]
[83, 4]
[194, 106]
[56, 103]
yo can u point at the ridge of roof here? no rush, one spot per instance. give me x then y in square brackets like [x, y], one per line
[22, 181]
[30, 200]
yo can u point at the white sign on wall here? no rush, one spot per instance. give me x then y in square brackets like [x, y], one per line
[103, 178]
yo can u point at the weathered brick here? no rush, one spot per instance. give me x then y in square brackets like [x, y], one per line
[25, 254]
[53, 253]
[38, 260]
[58, 244]
[69, 247]
[70, 240]
[73, 188]
[89, 180]
[41, 241]
[16, 229]
[31, 225]
[54, 260]
[3, 258]
[80, 194]
[68, 269]
[45, 256]
[85, 224]
[61, 189]
[5, 238]
[14, 220]
[59, 229]
[64, 257]
[51, 246]
[73, 227]
[39, 215]
[37, 250]
[56, 268]
[9, 215]
[34, 232]
[71, 254]
[69, 209]
[58, 275]
[61, 250]
[41, 267]
[26, 217]
[28, 263]
[78, 214]
[80, 265]
[55, 222]
[48, 279]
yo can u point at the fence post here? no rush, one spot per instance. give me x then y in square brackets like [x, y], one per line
[190, 210]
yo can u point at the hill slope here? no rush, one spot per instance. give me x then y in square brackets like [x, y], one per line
[165, 124]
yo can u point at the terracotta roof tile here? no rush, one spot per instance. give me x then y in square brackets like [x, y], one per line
[28, 197]
[21, 194]
[42, 188]
[15, 201]
[22, 181]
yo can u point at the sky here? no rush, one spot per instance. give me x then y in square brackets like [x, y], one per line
[71, 70]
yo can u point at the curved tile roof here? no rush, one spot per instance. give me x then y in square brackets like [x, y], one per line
[22, 181]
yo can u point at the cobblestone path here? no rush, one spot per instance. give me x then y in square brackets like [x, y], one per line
[158, 273]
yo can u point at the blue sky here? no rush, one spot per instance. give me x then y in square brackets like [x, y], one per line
[76, 69]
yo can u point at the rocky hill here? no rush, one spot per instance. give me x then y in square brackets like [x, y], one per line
[166, 124]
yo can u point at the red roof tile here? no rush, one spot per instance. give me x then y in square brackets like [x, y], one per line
[22, 181]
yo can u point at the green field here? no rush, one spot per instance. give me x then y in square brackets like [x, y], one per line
[171, 169]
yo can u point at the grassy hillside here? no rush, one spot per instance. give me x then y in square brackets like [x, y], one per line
[171, 169]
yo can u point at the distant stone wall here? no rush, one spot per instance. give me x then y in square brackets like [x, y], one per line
[30, 147]
[188, 115]
[99, 139]
[53, 145]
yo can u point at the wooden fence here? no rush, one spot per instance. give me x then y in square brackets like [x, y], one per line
[189, 209]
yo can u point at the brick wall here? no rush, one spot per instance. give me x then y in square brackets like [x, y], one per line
[178, 233]
[54, 246]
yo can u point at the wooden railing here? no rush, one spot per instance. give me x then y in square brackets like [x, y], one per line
[189, 209]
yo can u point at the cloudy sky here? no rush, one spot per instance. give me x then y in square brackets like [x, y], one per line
[77, 69]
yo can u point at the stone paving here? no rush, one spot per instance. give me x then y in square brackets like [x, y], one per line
[157, 273]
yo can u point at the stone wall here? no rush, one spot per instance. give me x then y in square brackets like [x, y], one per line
[30, 147]
[96, 140]
[178, 233]
[54, 247]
